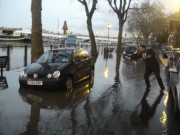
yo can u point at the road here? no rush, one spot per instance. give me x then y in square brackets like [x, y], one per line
[117, 104]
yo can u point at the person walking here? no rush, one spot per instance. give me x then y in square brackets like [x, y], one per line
[151, 66]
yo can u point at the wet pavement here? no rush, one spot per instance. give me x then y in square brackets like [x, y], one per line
[117, 104]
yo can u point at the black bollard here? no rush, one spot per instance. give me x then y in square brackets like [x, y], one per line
[25, 55]
[8, 54]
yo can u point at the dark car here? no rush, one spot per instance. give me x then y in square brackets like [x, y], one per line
[166, 51]
[130, 51]
[174, 91]
[58, 67]
[173, 59]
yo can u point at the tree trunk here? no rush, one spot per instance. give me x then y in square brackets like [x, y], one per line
[119, 45]
[36, 37]
[146, 40]
[94, 52]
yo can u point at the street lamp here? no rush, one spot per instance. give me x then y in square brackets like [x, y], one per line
[108, 26]
[106, 45]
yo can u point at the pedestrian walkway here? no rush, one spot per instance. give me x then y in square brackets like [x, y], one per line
[163, 60]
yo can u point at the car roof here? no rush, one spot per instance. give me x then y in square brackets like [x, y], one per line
[68, 49]
[130, 46]
[56, 49]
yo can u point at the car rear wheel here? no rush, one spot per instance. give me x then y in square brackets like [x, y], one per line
[68, 83]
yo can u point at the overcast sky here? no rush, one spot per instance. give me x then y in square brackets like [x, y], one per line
[17, 13]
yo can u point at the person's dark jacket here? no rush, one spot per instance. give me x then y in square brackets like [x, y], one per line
[150, 60]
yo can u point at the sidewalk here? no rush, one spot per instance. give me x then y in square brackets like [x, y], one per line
[163, 60]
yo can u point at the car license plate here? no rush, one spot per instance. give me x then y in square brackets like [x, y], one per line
[34, 82]
[129, 54]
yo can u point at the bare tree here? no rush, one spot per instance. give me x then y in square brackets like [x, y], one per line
[120, 7]
[147, 20]
[89, 14]
[36, 37]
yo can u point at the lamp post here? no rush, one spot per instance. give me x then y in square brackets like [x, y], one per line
[65, 28]
[106, 45]
[108, 26]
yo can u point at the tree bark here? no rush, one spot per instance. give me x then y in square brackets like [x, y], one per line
[119, 45]
[36, 37]
[89, 14]
[94, 52]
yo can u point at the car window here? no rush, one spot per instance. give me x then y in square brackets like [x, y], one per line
[80, 55]
[43, 58]
[77, 56]
[133, 48]
[84, 54]
[55, 56]
[168, 48]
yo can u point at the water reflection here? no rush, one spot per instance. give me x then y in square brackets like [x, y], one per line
[141, 119]
[3, 83]
[107, 55]
[54, 100]
[117, 77]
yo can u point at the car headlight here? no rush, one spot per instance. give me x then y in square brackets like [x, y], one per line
[135, 52]
[23, 74]
[49, 75]
[56, 74]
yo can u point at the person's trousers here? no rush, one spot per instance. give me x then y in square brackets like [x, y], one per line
[157, 74]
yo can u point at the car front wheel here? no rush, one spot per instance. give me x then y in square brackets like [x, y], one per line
[68, 83]
[22, 85]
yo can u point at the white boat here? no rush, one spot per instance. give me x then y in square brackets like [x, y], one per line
[11, 35]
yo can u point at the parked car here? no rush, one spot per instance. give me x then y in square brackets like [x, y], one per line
[174, 91]
[130, 51]
[166, 51]
[173, 58]
[58, 67]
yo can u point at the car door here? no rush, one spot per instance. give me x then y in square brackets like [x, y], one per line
[78, 66]
[86, 63]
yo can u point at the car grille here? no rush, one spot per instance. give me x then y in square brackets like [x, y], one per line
[39, 76]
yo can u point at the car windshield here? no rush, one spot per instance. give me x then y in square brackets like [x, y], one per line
[132, 48]
[55, 56]
[168, 48]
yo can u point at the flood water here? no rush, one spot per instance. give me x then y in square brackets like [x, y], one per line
[116, 104]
